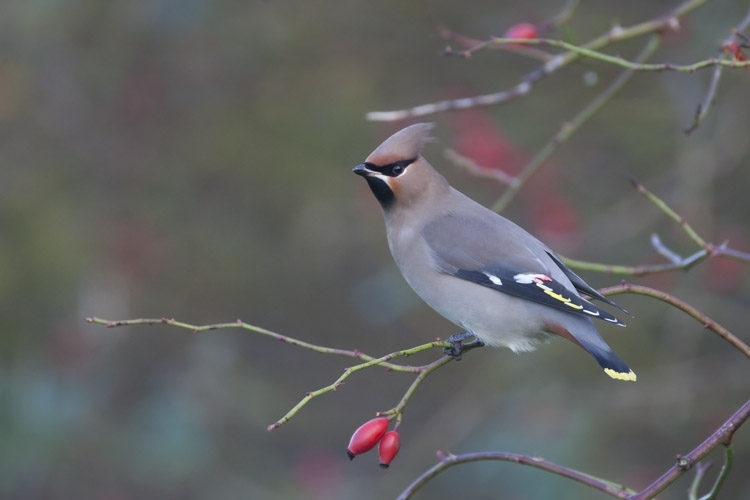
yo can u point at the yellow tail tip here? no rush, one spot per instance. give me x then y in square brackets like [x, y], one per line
[620, 375]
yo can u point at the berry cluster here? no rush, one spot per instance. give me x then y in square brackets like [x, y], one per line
[371, 433]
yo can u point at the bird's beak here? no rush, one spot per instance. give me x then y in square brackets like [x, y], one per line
[362, 170]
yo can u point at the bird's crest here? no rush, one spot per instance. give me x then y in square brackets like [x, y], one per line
[406, 144]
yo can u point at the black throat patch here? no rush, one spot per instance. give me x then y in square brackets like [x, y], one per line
[382, 192]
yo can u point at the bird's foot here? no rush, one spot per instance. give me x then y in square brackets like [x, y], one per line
[458, 347]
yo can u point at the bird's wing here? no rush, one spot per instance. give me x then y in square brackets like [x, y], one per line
[493, 254]
[581, 285]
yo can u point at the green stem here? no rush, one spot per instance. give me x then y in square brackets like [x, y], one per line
[571, 127]
[245, 326]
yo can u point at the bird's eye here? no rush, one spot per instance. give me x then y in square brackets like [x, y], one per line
[397, 168]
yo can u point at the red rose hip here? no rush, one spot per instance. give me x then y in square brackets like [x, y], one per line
[389, 446]
[522, 30]
[367, 436]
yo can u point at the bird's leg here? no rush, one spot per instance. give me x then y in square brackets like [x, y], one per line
[458, 347]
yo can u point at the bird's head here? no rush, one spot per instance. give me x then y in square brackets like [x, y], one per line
[396, 172]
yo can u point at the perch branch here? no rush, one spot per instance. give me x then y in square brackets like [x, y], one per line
[384, 361]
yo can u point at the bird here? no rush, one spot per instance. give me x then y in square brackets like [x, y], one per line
[479, 270]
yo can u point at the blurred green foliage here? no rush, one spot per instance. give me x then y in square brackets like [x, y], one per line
[191, 159]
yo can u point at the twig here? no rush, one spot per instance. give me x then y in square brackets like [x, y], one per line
[702, 111]
[615, 34]
[449, 461]
[563, 17]
[721, 436]
[245, 326]
[426, 370]
[469, 43]
[559, 20]
[571, 127]
[478, 170]
[665, 251]
[617, 60]
[707, 322]
[383, 361]
[700, 471]
[728, 461]
[423, 372]
[670, 213]
[708, 250]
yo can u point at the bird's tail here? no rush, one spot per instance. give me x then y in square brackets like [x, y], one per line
[608, 360]
[589, 339]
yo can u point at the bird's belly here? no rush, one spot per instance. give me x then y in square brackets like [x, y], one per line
[498, 319]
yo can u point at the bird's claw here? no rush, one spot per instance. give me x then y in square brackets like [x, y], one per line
[457, 346]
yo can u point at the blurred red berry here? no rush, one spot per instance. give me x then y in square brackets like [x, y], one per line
[388, 449]
[526, 31]
[367, 436]
[735, 48]
[481, 140]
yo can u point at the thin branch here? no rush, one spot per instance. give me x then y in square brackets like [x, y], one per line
[571, 127]
[615, 34]
[353, 369]
[700, 472]
[398, 410]
[246, 326]
[721, 436]
[618, 269]
[728, 461]
[617, 60]
[708, 250]
[383, 361]
[478, 170]
[708, 101]
[563, 17]
[670, 213]
[469, 44]
[665, 251]
[707, 322]
[449, 461]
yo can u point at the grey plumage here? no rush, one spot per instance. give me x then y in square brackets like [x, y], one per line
[474, 267]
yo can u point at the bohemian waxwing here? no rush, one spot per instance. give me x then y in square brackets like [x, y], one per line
[476, 268]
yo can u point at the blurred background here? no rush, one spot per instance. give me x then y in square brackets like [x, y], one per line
[192, 159]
